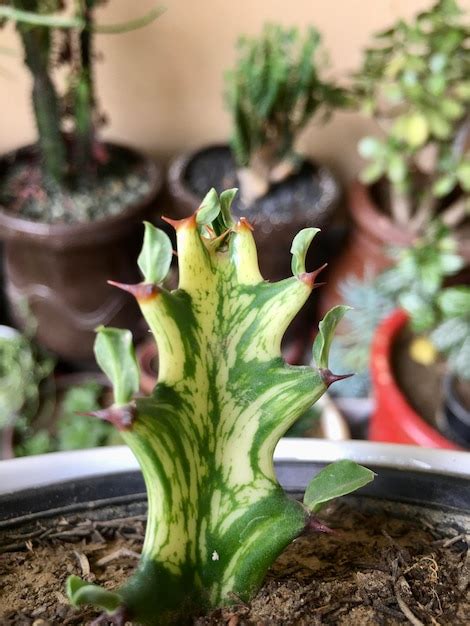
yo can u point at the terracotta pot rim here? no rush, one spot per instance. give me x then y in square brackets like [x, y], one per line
[83, 234]
[180, 190]
[385, 384]
[367, 217]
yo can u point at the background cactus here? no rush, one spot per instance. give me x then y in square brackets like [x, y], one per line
[50, 39]
[272, 92]
[205, 438]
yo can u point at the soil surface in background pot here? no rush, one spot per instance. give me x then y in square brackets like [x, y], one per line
[302, 196]
[120, 180]
[384, 564]
[422, 385]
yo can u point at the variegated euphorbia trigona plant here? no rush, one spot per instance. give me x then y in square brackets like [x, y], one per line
[217, 516]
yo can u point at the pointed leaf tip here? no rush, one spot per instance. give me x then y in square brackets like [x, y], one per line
[122, 417]
[299, 249]
[140, 291]
[335, 480]
[114, 352]
[178, 224]
[329, 378]
[155, 257]
[326, 331]
[309, 277]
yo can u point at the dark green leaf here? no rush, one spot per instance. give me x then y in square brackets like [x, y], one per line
[114, 352]
[326, 330]
[299, 249]
[81, 592]
[209, 209]
[155, 258]
[226, 199]
[335, 480]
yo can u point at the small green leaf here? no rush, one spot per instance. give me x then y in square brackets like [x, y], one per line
[443, 185]
[226, 199]
[397, 169]
[412, 128]
[299, 249]
[335, 480]
[209, 209]
[455, 301]
[326, 330]
[463, 174]
[372, 172]
[155, 258]
[114, 352]
[452, 109]
[81, 592]
[369, 147]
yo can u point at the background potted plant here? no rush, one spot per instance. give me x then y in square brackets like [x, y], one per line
[420, 358]
[414, 83]
[39, 406]
[274, 90]
[71, 204]
[415, 332]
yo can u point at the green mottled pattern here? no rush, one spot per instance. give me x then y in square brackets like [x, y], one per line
[205, 438]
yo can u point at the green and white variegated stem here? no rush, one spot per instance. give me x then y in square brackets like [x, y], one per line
[205, 438]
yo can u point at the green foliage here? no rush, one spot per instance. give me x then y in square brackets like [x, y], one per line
[414, 283]
[75, 431]
[335, 480]
[300, 247]
[114, 352]
[22, 369]
[205, 437]
[155, 258]
[274, 90]
[415, 82]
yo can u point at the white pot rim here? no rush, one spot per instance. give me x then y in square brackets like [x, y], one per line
[56, 467]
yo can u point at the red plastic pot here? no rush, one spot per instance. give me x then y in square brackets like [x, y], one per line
[394, 420]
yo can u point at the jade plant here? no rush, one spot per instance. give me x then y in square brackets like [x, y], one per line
[205, 437]
[415, 83]
[272, 92]
[57, 33]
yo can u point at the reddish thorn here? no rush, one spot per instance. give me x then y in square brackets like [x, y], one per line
[244, 223]
[329, 378]
[314, 524]
[121, 417]
[309, 277]
[177, 224]
[141, 291]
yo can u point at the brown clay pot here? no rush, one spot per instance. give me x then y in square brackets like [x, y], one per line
[273, 233]
[61, 270]
[365, 251]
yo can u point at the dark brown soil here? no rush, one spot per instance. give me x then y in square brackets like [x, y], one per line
[376, 568]
[119, 182]
[302, 195]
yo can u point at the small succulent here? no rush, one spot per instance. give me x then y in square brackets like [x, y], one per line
[205, 437]
[273, 91]
[415, 83]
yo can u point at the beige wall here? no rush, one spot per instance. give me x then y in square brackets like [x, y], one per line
[161, 86]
